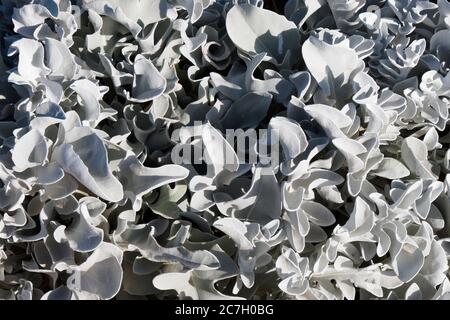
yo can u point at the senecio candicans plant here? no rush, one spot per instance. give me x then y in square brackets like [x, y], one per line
[224, 149]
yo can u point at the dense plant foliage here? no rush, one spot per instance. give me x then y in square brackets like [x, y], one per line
[97, 97]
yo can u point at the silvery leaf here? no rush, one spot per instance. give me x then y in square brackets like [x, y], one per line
[392, 169]
[100, 274]
[81, 235]
[290, 134]
[134, 10]
[334, 75]
[31, 59]
[83, 155]
[31, 150]
[414, 155]
[148, 83]
[255, 30]
[257, 204]
[60, 60]
[138, 180]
